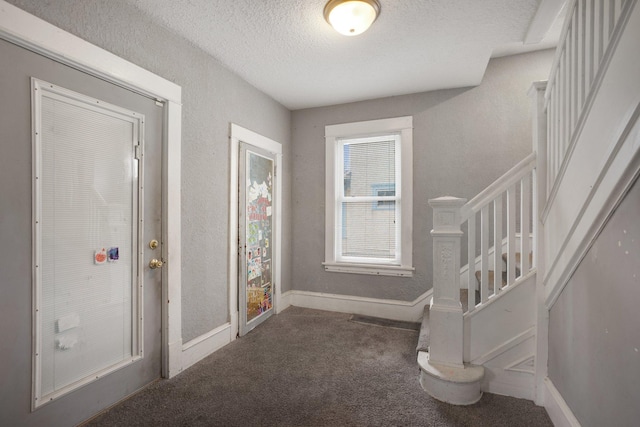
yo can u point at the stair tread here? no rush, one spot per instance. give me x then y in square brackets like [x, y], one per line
[423, 338]
[491, 278]
[518, 256]
[464, 299]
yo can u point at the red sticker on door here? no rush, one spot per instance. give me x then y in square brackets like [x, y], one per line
[100, 256]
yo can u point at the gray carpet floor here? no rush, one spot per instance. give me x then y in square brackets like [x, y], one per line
[311, 368]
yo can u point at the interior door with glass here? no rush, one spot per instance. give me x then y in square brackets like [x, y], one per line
[256, 213]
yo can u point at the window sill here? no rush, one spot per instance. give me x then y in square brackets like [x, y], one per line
[371, 269]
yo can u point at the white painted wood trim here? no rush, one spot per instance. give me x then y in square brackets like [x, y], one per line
[507, 383]
[278, 227]
[558, 410]
[499, 186]
[355, 129]
[37, 35]
[521, 280]
[233, 251]
[498, 350]
[33, 33]
[236, 135]
[172, 242]
[409, 311]
[403, 126]
[585, 111]
[614, 180]
[540, 142]
[570, 5]
[514, 366]
[204, 345]
[372, 269]
[253, 138]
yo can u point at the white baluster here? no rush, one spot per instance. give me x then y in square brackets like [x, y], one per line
[484, 254]
[497, 244]
[525, 218]
[573, 77]
[598, 8]
[471, 256]
[607, 24]
[511, 235]
[589, 46]
[580, 60]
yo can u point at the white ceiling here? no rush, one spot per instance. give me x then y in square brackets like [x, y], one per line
[286, 49]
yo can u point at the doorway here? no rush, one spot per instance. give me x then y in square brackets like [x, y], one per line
[255, 221]
[93, 184]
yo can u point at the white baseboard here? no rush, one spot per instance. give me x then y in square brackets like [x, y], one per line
[285, 302]
[409, 311]
[202, 346]
[558, 410]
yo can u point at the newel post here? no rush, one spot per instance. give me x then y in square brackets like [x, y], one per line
[540, 141]
[445, 314]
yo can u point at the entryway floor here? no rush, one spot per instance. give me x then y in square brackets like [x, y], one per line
[307, 367]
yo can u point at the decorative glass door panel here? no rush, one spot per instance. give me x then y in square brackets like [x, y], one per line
[256, 236]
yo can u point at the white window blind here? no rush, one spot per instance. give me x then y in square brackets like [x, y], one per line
[86, 239]
[369, 196]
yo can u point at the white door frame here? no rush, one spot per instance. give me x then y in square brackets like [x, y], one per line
[237, 134]
[32, 33]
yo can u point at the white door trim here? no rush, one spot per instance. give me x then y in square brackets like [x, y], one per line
[32, 33]
[237, 134]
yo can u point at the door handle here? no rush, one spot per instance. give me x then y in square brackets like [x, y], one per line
[155, 263]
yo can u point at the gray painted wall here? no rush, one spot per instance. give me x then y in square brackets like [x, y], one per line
[463, 140]
[594, 339]
[212, 98]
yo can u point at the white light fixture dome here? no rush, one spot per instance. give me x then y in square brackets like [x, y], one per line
[351, 17]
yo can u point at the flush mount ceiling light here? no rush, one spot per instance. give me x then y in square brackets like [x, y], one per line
[351, 17]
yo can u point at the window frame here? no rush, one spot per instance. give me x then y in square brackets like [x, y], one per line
[334, 134]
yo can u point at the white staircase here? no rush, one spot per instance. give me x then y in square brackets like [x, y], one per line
[550, 205]
[487, 340]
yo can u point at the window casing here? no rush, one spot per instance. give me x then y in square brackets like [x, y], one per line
[369, 197]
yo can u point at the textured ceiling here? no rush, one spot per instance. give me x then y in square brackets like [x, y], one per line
[286, 49]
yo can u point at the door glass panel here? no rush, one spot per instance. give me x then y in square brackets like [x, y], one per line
[259, 241]
[86, 263]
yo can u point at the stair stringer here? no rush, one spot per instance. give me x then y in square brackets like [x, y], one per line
[500, 336]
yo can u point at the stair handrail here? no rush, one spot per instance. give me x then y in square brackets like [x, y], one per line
[499, 186]
[585, 49]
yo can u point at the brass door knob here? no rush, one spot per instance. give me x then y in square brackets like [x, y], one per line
[155, 263]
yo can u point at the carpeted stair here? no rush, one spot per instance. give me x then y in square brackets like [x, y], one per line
[423, 338]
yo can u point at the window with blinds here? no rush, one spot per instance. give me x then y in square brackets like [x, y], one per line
[369, 199]
[369, 188]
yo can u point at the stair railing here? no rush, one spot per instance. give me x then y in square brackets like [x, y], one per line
[588, 40]
[503, 215]
[504, 211]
